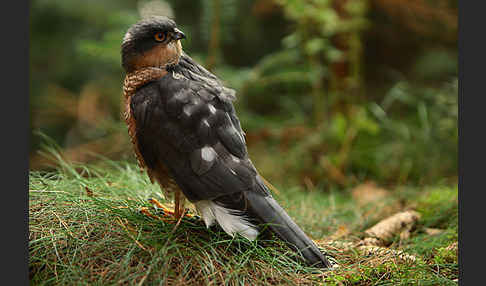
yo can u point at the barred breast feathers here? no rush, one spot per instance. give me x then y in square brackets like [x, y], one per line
[132, 82]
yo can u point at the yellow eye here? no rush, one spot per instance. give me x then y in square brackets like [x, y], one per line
[159, 37]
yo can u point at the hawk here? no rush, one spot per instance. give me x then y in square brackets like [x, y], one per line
[187, 136]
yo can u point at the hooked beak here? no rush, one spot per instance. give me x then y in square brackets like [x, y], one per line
[178, 34]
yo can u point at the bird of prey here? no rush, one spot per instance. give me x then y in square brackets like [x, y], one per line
[188, 138]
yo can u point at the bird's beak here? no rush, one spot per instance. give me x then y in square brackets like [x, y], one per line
[178, 34]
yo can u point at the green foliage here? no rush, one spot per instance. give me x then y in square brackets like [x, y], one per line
[439, 208]
[74, 46]
[409, 137]
[419, 132]
[326, 33]
[297, 68]
[279, 84]
[435, 65]
[317, 22]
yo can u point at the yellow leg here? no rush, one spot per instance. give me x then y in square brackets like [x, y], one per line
[179, 205]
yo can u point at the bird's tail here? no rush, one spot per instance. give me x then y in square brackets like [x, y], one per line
[268, 211]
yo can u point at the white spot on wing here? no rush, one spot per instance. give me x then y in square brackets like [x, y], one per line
[212, 109]
[206, 123]
[208, 154]
[187, 110]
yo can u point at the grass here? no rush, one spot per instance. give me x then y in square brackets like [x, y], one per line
[86, 228]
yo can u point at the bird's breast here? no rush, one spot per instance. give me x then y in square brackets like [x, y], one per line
[132, 82]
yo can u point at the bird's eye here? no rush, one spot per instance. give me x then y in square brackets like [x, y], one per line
[159, 37]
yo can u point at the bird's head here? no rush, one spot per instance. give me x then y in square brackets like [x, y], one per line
[152, 42]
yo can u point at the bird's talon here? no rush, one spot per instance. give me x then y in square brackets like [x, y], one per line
[160, 207]
[166, 212]
[192, 216]
[156, 203]
[145, 211]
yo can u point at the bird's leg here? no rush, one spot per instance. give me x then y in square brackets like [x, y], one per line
[179, 205]
[182, 207]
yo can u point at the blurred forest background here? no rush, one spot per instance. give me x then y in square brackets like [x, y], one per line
[331, 93]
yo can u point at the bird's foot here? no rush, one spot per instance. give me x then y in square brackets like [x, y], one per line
[166, 214]
[165, 211]
[146, 212]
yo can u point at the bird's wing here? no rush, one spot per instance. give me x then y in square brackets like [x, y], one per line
[193, 130]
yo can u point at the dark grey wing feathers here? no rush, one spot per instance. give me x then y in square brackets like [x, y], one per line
[197, 73]
[194, 135]
[231, 138]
